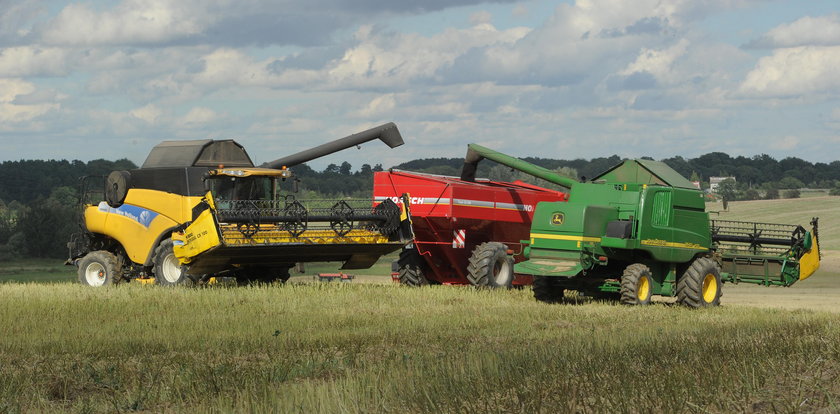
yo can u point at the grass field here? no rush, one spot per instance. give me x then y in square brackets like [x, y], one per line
[374, 346]
[385, 348]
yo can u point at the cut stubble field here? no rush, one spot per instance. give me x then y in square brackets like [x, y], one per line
[374, 346]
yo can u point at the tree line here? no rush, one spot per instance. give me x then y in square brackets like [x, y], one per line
[40, 207]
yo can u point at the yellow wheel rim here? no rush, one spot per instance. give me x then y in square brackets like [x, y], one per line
[710, 288]
[643, 290]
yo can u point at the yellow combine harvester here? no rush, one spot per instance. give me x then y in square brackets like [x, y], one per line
[201, 209]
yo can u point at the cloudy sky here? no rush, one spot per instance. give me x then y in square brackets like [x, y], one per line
[559, 79]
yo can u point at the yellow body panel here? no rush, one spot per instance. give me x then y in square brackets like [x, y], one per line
[810, 261]
[197, 238]
[140, 221]
[176, 207]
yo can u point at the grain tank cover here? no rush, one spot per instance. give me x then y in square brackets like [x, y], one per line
[198, 153]
[645, 172]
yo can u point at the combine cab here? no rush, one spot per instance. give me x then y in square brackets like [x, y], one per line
[198, 209]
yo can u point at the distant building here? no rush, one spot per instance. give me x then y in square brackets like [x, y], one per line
[696, 184]
[714, 182]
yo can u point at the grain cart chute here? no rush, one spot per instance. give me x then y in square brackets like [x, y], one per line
[223, 216]
[641, 229]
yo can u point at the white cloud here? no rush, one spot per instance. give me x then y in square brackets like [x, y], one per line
[657, 62]
[806, 31]
[378, 106]
[793, 72]
[198, 117]
[33, 61]
[17, 114]
[132, 22]
[149, 113]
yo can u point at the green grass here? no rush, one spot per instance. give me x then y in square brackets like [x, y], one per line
[37, 270]
[54, 270]
[384, 348]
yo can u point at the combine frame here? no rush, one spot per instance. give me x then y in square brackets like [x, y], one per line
[200, 209]
[641, 229]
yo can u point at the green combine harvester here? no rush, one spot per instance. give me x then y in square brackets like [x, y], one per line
[641, 229]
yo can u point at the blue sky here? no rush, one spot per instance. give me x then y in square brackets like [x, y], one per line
[559, 79]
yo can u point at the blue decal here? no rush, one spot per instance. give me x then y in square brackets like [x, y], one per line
[138, 214]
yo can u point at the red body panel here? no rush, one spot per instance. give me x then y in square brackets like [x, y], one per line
[484, 210]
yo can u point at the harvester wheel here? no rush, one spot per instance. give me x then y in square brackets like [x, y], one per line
[411, 268]
[700, 285]
[636, 285]
[99, 268]
[167, 268]
[490, 266]
[546, 289]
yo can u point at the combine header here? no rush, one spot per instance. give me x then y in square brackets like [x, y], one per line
[641, 229]
[198, 209]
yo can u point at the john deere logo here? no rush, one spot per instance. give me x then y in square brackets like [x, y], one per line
[557, 219]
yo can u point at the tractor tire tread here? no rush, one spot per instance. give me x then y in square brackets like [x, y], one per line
[113, 266]
[411, 268]
[630, 283]
[690, 285]
[481, 265]
[157, 259]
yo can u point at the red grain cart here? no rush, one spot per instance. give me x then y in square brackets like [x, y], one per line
[464, 231]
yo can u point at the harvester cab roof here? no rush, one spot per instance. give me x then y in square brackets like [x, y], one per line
[198, 153]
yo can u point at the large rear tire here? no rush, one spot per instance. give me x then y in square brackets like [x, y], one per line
[412, 268]
[700, 286]
[167, 269]
[636, 286]
[490, 266]
[100, 268]
[546, 289]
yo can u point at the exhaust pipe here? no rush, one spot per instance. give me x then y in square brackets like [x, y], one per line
[388, 133]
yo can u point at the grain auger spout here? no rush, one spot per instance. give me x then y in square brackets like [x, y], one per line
[476, 153]
[387, 133]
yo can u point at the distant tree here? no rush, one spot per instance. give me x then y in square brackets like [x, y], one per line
[771, 194]
[727, 191]
[331, 169]
[695, 176]
[792, 193]
[345, 168]
[377, 168]
[835, 191]
[790, 183]
[751, 194]
[366, 170]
